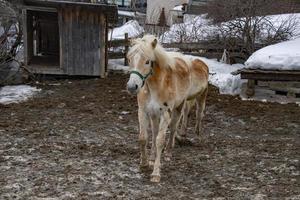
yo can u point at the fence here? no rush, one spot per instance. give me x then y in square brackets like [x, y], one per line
[122, 52]
[201, 48]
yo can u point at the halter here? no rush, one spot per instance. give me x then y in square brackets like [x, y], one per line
[143, 78]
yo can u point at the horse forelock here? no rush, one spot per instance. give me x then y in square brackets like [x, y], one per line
[158, 54]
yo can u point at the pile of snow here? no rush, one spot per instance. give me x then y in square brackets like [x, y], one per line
[117, 65]
[193, 29]
[16, 94]
[281, 56]
[131, 27]
[221, 77]
[126, 13]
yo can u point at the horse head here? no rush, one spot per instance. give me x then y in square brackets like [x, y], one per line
[140, 58]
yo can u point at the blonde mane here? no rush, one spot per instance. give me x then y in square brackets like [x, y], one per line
[159, 54]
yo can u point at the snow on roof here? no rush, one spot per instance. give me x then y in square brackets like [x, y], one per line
[132, 27]
[281, 56]
[16, 94]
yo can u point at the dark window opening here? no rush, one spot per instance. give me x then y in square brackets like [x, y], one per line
[45, 39]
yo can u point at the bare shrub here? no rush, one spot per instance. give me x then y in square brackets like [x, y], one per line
[249, 25]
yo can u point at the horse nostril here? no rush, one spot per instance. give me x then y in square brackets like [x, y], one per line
[136, 87]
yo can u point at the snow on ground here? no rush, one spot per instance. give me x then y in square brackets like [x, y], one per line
[221, 77]
[281, 56]
[264, 94]
[131, 27]
[16, 94]
[117, 65]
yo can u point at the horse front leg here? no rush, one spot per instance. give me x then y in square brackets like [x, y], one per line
[154, 128]
[160, 141]
[143, 137]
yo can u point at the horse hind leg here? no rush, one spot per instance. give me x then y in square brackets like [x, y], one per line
[200, 102]
[185, 115]
[175, 118]
[183, 119]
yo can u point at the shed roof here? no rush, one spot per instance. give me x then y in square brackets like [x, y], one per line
[110, 10]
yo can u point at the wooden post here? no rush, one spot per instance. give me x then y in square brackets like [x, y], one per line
[250, 88]
[102, 21]
[126, 49]
[26, 59]
[106, 45]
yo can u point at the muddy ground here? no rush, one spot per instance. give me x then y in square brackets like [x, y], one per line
[78, 140]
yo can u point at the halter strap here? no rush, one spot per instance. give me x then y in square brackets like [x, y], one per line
[143, 78]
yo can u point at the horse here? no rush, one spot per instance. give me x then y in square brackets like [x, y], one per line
[188, 105]
[163, 81]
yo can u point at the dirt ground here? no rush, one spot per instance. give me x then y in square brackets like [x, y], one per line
[78, 140]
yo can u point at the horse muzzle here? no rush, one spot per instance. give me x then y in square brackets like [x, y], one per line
[132, 88]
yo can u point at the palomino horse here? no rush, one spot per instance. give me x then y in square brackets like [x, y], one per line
[163, 82]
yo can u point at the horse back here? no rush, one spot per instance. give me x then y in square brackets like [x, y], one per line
[200, 69]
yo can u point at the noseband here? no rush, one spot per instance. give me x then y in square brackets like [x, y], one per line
[143, 78]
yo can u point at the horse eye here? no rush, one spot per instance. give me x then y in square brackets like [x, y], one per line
[147, 62]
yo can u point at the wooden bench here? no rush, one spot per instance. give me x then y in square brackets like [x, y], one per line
[255, 75]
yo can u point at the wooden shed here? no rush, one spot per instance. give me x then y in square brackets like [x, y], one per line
[66, 38]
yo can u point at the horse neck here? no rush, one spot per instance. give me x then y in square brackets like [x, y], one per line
[154, 82]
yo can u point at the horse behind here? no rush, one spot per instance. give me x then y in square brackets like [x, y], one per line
[164, 82]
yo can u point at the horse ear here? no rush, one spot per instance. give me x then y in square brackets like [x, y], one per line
[154, 43]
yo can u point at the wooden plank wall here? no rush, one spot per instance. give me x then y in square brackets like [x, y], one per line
[82, 39]
[28, 36]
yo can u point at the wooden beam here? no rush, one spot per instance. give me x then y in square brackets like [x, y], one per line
[44, 9]
[270, 75]
[126, 49]
[102, 25]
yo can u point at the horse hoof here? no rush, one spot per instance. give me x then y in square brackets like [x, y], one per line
[144, 165]
[155, 179]
[180, 138]
[167, 158]
[151, 163]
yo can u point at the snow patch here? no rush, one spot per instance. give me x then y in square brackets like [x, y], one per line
[281, 56]
[221, 77]
[17, 94]
[117, 65]
[131, 27]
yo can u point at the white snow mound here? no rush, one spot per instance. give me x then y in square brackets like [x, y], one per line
[221, 77]
[131, 27]
[281, 56]
[17, 94]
